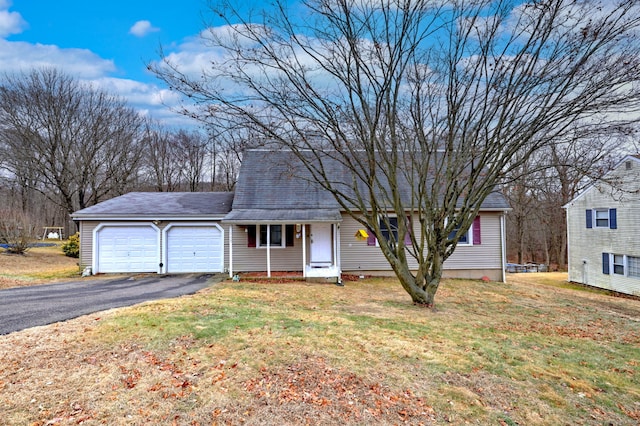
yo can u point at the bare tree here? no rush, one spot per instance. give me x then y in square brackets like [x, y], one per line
[191, 148]
[162, 168]
[429, 104]
[73, 143]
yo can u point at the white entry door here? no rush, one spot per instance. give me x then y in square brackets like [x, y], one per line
[321, 244]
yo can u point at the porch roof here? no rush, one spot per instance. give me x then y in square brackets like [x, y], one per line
[290, 216]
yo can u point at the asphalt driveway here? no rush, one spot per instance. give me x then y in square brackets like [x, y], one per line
[25, 307]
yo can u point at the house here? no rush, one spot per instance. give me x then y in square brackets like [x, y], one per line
[603, 225]
[278, 220]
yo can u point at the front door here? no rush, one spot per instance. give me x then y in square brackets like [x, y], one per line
[321, 244]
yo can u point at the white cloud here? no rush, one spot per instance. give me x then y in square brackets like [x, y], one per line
[10, 22]
[142, 28]
[148, 99]
[22, 56]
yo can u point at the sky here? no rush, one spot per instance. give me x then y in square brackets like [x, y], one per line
[107, 42]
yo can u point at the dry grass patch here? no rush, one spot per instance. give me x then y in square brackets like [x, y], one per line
[39, 265]
[297, 353]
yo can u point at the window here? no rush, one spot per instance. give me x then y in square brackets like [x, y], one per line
[389, 227]
[633, 266]
[618, 264]
[602, 218]
[275, 239]
[464, 239]
[280, 235]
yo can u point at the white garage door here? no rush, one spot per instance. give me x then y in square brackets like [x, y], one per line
[127, 249]
[194, 249]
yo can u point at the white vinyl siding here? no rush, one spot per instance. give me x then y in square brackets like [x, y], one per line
[586, 246]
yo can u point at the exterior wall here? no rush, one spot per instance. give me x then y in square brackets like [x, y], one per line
[86, 237]
[254, 259]
[586, 245]
[86, 242]
[473, 261]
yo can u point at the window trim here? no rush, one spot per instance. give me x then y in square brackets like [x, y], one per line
[615, 266]
[382, 223]
[283, 238]
[468, 235]
[373, 241]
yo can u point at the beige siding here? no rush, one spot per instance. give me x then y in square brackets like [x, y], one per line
[358, 256]
[86, 242]
[587, 245]
[87, 228]
[250, 259]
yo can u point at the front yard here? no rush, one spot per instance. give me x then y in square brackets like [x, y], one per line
[38, 265]
[531, 352]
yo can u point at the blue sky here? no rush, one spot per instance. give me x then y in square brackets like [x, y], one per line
[106, 42]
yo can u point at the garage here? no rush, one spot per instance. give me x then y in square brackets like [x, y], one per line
[127, 248]
[194, 248]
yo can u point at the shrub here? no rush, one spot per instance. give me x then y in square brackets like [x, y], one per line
[72, 247]
[16, 231]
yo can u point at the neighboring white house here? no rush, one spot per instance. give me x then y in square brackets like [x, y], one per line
[603, 231]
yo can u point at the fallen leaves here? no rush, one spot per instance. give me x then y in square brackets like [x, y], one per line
[343, 396]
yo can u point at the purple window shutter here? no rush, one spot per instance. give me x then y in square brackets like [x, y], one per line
[371, 239]
[407, 236]
[477, 235]
[589, 218]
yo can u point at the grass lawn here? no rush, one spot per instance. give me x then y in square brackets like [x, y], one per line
[531, 352]
[38, 265]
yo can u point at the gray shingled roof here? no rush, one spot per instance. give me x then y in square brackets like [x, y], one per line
[159, 204]
[273, 185]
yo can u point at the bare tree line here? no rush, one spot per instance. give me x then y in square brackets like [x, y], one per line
[66, 145]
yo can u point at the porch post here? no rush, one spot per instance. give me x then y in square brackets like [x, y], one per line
[503, 243]
[304, 250]
[230, 251]
[268, 251]
[336, 246]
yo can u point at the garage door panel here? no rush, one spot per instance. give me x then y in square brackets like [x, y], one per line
[127, 249]
[194, 249]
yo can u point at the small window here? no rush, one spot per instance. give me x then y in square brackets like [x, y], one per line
[602, 218]
[633, 266]
[618, 264]
[628, 165]
[465, 238]
[275, 239]
[389, 227]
